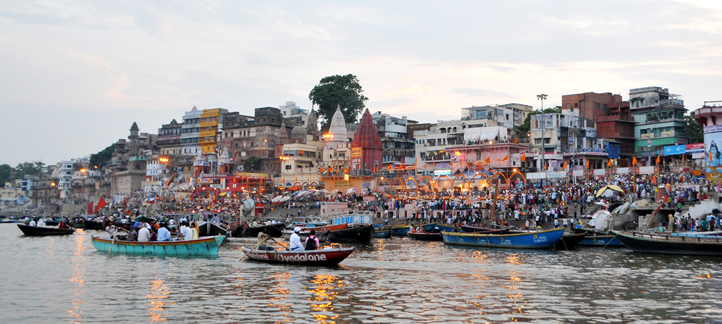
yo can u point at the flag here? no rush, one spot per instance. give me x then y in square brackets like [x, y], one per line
[488, 159]
[523, 157]
[587, 164]
[565, 164]
[330, 169]
[546, 165]
[634, 161]
[322, 169]
[683, 158]
[415, 164]
[390, 166]
[151, 200]
[125, 204]
[505, 158]
[345, 170]
[609, 163]
[90, 207]
[657, 159]
[101, 204]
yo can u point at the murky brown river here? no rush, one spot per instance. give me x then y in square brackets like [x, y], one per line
[64, 280]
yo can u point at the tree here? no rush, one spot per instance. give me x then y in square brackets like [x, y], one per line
[524, 128]
[252, 164]
[5, 173]
[693, 129]
[103, 157]
[29, 168]
[338, 91]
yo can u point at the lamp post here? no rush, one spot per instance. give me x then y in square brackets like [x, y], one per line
[543, 97]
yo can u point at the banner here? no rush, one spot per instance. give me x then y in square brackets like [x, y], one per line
[647, 170]
[622, 170]
[675, 150]
[578, 173]
[600, 172]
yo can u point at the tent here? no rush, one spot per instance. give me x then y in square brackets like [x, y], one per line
[610, 187]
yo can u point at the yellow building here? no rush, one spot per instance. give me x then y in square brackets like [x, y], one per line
[208, 129]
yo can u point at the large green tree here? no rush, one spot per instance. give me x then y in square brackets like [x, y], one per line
[5, 173]
[338, 91]
[29, 168]
[693, 129]
[524, 128]
[103, 157]
[252, 164]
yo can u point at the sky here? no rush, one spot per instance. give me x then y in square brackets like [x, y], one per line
[75, 75]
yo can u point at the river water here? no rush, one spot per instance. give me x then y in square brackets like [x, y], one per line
[64, 280]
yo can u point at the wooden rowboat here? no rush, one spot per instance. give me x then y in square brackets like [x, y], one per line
[569, 241]
[202, 247]
[44, 231]
[427, 236]
[667, 244]
[356, 233]
[524, 240]
[326, 257]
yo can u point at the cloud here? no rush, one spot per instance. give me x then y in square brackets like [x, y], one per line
[481, 93]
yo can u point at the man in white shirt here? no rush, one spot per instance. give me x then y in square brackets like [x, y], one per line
[186, 231]
[41, 222]
[163, 233]
[143, 234]
[296, 240]
[32, 222]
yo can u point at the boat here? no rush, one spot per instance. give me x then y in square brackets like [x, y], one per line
[323, 257]
[86, 224]
[273, 230]
[382, 232]
[668, 244]
[427, 236]
[321, 231]
[44, 231]
[211, 229]
[438, 227]
[483, 230]
[400, 230]
[569, 241]
[599, 239]
[523, 240]
[354, 233]
[206, 246]
[52, 223]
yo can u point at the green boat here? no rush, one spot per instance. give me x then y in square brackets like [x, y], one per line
[201, 247]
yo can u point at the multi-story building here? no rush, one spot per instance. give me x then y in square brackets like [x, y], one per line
[560, 137]
[618, 126]
[508, 115]
[211, 125]
[128, 162]
[710, 118]
[169, 138]
[589, 105]
[659, 118]
[189, 132]
[291, 110]
[397, 146]
[65, 178]
[258, 136]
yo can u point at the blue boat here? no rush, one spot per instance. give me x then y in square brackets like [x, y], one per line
[400, 230]
[523, 240]
[431, 227]
[601, 241]
[201, 247]
[382, 233]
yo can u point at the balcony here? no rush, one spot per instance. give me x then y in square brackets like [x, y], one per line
[615, 118]
[658, 135]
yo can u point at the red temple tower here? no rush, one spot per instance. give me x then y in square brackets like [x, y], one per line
[366, 147]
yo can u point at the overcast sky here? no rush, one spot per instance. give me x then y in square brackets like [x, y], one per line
[74, 75]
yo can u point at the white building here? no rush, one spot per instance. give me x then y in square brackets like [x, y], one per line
[559, 135]
[290, 110]
[65, 178]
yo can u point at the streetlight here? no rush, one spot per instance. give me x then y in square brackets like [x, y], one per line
[543, 97]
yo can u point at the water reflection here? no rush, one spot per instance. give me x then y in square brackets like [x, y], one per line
[76, 312]
[158, 294]
[323, 295]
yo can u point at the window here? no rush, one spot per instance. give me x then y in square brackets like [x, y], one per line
[576, 104]
[288, 167]
[547, 140]
[596, 105]
[537, 141]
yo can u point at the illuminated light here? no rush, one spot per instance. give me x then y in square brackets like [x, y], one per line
[82, 170]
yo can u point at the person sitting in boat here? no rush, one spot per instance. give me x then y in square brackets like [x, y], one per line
[41, 222]
[262, 243]
[296, 240]
[312, 241]
[133, 234]
[186, 232]
[163, 233]
[153, 234]
[62, 224]
[143, 233]
[32, 222]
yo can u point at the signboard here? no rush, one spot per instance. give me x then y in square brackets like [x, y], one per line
[442, 172]
[578, 173]
[356, 152]
[697, 156]
[646, 170]
[695, 148]
[600, 172]
[713, 129]
[556, 175]
[613, 149]
[675, 150]
[622, 170]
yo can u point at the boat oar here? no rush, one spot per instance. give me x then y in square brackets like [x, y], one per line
[110, 251]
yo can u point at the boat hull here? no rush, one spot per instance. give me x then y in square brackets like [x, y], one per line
[441, 227]
[601, 241]
[569, 241]
[202, 247]
[427, 236]
[355, 234]
[274, 230]
[314, 258]
[531, 240]
[379, 233]
[664, 244]
[400, 230]
[44, 231]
